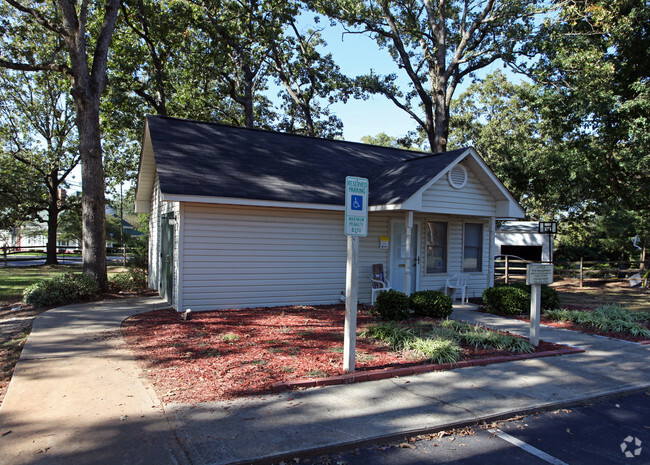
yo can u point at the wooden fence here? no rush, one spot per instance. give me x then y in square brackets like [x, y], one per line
[510, 269]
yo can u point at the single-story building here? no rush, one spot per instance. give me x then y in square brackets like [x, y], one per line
[523, 239]
[247, 218]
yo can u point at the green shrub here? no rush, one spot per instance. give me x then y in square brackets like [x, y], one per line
[127, 281]
[550, 298]
[514, 299]
[510, 300]
[62, 289]
[431, 303]
[392, 305]
[139, 261]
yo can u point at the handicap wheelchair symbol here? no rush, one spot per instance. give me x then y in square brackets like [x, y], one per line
[356, 202]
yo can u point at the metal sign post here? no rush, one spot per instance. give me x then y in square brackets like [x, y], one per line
[536, 275]
[356, 224]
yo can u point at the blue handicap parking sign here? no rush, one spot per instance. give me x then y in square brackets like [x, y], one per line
[356, 202]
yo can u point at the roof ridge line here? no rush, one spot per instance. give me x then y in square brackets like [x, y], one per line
[271, 131]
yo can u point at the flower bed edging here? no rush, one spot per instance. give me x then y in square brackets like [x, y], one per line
[375, 375]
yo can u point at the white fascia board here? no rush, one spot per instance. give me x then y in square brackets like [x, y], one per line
[385, 208]
[507, 209]
[413, 203]
[248, 202]
[146, 173]
[142, 206]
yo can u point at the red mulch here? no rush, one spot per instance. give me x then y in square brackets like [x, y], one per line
[224, 354]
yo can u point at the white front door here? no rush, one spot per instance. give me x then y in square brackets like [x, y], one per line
[398, 256]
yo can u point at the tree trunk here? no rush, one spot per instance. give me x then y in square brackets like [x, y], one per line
[440, 111]
[52, 226]
[248, 97]
[92, 196]
[309, 122]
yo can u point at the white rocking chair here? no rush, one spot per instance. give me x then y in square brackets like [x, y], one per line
[455, 282]
[379, 283]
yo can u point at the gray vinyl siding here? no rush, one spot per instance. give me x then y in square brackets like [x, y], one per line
[473, 199]
[237, 257]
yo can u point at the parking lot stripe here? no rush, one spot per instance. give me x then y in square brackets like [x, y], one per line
[527, 447]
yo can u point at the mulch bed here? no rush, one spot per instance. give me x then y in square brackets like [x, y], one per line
[225, 354]
[581, 328]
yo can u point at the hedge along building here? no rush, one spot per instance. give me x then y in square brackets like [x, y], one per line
[248, 218]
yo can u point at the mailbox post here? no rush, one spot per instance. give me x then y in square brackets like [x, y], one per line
[536, 275]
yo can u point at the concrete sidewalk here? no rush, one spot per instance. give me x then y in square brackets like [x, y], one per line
[77, 398]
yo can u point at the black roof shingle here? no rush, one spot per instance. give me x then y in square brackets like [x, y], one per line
[208, 159]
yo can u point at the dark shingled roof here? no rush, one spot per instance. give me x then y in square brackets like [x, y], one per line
[207, 159]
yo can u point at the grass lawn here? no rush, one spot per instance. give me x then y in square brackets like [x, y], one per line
[13, 280]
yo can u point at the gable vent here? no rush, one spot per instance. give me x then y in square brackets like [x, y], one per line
[458, 176]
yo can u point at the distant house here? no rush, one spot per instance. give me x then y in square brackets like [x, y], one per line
[247, 218]
[523, 239]
[32, 236]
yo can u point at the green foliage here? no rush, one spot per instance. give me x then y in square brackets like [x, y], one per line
[479, 336]
[431, 303]
[436, 350]
[392, 305]
[62, 289]
[122, 282]
[509, 300]
[38, 150]
[395, 335]
[514, 299]
[416, 37]
[131, 280]
[138, 263]
[441, 344]
[610, 317]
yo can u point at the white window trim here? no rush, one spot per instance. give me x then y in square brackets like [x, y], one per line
[481, 269]
[426, 245]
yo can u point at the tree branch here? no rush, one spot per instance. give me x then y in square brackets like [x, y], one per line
[38, 16]
[36, 67]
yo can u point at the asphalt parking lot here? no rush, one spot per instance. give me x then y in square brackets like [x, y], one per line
[611, 431]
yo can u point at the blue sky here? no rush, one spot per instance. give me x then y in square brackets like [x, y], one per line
[357, 54]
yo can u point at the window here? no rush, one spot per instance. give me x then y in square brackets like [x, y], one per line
[436, 247]
[473, 249]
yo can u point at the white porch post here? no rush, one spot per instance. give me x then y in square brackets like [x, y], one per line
[407, 263]
[493, 228]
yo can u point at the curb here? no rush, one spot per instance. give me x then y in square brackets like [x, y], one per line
[375, 375]
[544, 407]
